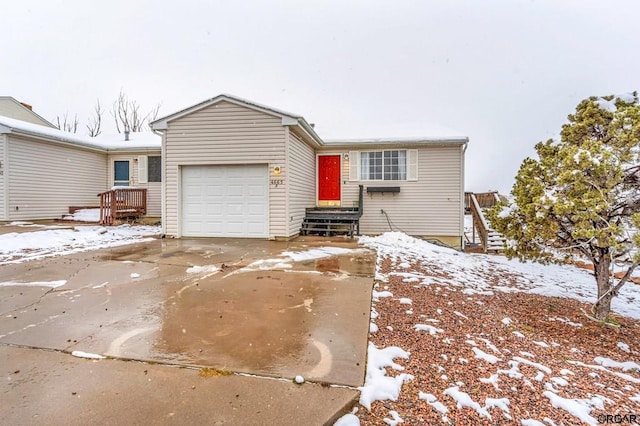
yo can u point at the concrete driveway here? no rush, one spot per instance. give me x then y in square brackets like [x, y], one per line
[261, 316]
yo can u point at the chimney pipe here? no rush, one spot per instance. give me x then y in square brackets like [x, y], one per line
[126, 133]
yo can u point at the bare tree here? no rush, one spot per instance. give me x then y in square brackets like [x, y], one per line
[67, 124]
[153, 114]
[127, 115]
[95, 122]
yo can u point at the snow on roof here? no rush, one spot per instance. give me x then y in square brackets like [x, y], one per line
[116, 141]
[142, 140]
[400, 140]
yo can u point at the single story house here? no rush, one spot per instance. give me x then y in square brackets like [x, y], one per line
[235, 168]
[44, 171]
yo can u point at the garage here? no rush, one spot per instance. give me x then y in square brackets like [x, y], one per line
[225, 201]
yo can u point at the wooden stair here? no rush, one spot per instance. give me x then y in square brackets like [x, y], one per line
[491, 239]
[329, 221]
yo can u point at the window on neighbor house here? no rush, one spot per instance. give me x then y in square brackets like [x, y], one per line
[383, 165]
[154, 169]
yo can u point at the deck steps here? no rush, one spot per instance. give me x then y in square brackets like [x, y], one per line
[328, 221]
[328, 226]
[491, 239]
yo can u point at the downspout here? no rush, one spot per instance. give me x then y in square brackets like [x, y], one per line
[4, 171]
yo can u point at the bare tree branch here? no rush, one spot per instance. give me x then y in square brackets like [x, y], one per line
[95, 122]
[67, 124]
[127, 115]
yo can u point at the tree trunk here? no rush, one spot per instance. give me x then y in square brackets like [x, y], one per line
[602, 273]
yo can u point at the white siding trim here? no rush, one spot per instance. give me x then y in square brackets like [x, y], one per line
[354, 165]
[463, 149]
[4, 178]
[163, 187]
[143, 169]
[412, 164]
[287, 178]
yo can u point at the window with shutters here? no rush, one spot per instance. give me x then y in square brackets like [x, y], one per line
[391, 165]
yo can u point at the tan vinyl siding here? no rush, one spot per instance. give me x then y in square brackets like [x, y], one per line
[13, 109]
[302, 181]
[154, 189]
[3, 180]
[46, 178]
[431, 206]
[225, 133]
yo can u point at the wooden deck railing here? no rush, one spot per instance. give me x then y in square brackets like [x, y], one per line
[122, 203]
[491, 240]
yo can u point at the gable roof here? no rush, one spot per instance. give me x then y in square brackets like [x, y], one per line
[104, 143]
[11, 107]
[288, 118]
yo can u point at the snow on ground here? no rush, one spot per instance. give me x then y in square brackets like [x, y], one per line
[318, 253]
[285, 259]
[19, 247]
[84, 215]
[86, 355]
[52, 284]
[476, 273]
[471, 295]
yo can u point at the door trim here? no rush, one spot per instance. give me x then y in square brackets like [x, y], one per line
[325, 203]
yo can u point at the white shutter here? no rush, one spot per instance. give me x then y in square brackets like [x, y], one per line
[354, 165]
[143, 173]
[412, 164]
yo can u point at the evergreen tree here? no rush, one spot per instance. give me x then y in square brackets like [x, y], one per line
[582, 195]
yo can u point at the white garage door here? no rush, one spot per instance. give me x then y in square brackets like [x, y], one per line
[225, 201]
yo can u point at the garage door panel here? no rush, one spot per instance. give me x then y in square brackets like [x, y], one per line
[225, 201]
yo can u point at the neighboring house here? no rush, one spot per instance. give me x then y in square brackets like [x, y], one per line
[44, 171]
[10, 107]
[235, 168]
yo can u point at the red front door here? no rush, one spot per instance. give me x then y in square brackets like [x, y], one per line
[329, 180]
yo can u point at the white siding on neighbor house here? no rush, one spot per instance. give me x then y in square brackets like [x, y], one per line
[226, 133]
[430, 206]
[3, 172]
[154, 189]
[46, 178]
[13, 109]
[302, 181]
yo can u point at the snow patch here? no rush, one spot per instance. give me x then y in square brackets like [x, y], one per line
[86, 355]
[576, 407]
[52, 284]
[378, 386]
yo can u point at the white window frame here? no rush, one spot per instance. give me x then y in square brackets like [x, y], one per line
[411, 158]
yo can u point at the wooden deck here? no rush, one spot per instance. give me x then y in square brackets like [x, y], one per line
[122, 203]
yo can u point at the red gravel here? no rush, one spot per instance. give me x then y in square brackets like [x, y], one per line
[530, 315]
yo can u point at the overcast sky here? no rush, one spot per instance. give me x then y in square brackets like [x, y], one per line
[505, 73]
